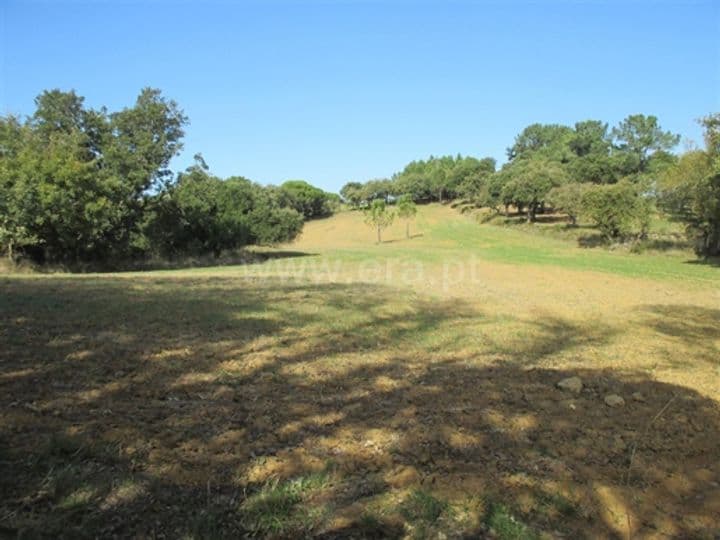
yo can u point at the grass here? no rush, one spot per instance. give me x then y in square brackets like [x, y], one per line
[505, 526]
[419, 374]
[276, 508]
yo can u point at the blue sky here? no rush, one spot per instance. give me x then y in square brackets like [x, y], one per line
[332, 91]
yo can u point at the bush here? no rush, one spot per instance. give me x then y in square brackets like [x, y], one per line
[619, 211]
[568, 198]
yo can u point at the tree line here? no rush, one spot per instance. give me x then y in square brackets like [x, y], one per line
[87, 185]
[614, 178]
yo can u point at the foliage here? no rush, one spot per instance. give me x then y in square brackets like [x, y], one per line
[690, 190]
[529, 183]
[568, 198]
[203, 214]
[548, 141]
[640, 135]
[76, 178]
[310, 201]
[619, 210]
[379, 216]
[84, 185]
[352, 193]
[441, 178]
[406, 210]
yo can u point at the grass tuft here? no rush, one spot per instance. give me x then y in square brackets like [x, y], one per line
[277, 508]
[505, 525]
[422, 506]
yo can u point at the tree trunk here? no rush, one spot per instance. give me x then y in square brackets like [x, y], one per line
[379, 236]
[712, 240]
[531, 213]
[507, 210]
[407, 230]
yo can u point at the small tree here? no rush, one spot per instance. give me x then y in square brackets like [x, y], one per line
[690, 190]
[568, 198]
[406, 210]
[618, 210]
[379, 216]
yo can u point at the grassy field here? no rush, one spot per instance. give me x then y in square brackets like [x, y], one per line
[344, 389]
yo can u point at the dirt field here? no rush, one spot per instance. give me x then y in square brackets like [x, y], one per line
[349, 390]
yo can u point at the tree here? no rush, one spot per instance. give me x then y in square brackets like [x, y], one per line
[530, 181]
[379, 188]
[590, 137]
[310, 201]
[690, 190]
[640, 135]
[470, 174]
[406, 210]
[379, 216]
[79, 185]
[352, 193]
[618, 210]
[201, 214]
[549, 141]
[568, 198]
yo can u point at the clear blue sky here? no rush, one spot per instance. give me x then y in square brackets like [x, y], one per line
[334, 91]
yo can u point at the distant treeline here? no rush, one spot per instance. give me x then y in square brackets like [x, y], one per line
[613, 177]
[82, 185]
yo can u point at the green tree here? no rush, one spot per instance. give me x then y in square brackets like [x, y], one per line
[619, 210]
[310, 201]
[548, 141]
[640, 136]
[379, 216]
[469, 176]
[406, 210]
[530, 181]
[690, 190]
[590, 137]
[352, 193]
[568, 198]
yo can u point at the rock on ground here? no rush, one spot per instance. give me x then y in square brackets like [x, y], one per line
[613, 400]
[572, 384]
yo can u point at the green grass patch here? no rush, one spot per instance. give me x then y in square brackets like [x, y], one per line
[505, 525]
[283, 508]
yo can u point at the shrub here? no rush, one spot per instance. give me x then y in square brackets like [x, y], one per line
[619, 211]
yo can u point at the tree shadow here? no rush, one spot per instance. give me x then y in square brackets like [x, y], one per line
[592, 240]
[239, 257]
[159, 406]
[708, 261]
[695, 327]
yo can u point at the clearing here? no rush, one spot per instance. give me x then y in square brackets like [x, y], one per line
[343, 389]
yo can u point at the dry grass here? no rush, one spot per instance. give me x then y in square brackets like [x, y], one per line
[416, 379]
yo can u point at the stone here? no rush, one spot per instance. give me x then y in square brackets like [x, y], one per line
[637, 396]
[572, 384]
[613, 400]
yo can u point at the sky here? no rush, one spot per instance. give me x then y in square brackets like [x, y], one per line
[338, 91]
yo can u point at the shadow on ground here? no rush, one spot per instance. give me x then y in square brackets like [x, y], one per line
[171, 407]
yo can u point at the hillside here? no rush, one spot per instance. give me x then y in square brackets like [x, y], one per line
[348, 389]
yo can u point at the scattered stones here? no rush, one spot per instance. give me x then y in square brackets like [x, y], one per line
[571, 384]
[637, 396]
[613, 400]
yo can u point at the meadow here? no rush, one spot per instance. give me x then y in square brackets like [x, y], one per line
[340, 388]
